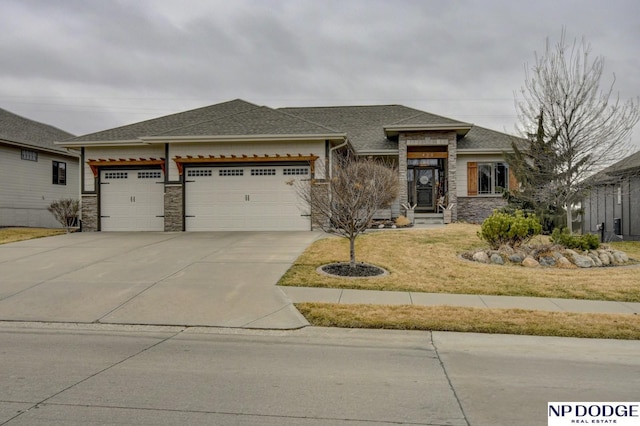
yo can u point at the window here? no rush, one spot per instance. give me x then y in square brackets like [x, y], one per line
[29, 155]
[116, 175]
[299, 171]
[263, 172]
[150, 175]
[59, 173]
[199, 172]
[487, 178]
[231, 172]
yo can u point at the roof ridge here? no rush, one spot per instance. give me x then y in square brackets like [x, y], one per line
[324, 126]
[173, 129]
[82, 137]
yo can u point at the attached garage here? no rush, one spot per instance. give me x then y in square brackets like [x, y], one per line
[132, 200]
[245, 198]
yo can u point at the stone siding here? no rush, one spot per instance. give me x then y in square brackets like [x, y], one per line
[477, 209]
[89, 213]
[173, 208]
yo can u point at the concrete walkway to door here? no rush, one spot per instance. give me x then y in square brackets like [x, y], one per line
[222, 279]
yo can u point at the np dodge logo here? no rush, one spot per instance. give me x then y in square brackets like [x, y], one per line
[593, 413]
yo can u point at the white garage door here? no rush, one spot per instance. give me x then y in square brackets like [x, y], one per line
[131, 200]
[245, 199]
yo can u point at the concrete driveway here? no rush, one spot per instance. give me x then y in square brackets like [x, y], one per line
[224, 279]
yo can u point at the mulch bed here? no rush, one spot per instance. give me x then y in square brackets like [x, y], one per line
[345, 270]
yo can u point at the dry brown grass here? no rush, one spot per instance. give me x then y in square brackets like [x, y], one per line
[10, 235]
[475, 320]
[427, 260]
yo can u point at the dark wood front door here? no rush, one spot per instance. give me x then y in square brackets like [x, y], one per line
[423, 191]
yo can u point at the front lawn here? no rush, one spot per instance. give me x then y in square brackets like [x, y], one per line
[427, 260]
[11, 235]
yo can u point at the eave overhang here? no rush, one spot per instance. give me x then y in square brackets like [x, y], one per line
[395, 129]
[149, 140]
[40, 148]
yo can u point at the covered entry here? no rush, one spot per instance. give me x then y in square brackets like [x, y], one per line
[426, 180]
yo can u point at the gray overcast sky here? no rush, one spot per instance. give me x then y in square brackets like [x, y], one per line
[90, 65]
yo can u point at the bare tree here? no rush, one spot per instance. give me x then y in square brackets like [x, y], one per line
[345, 203]
[590, 128]
[65, 212]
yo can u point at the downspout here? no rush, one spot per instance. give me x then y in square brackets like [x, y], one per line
[342, 145]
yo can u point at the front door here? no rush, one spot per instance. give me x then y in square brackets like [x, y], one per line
[424, 188]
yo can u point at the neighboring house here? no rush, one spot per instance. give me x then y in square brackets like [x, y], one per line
[613, 200]
[233, 166]
[34, 172]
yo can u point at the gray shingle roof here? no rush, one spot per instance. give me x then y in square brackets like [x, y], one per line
[257, 121]
[486, 139]
[167, 123]
[364, 125]
[612, 174]
[20, 130]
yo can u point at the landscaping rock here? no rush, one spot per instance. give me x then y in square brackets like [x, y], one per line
[564, 263]
[620, 257]
[547, 260]
[549, 255]
[530, 262]
[596, 259]
[516, 258]
[604, 258]
[583, 261]
[481, 257]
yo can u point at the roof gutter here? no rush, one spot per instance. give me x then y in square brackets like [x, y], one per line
[148, 140]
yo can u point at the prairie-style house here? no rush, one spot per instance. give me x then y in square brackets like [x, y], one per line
[233, 165]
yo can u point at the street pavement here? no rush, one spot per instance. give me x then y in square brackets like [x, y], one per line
[95, 374]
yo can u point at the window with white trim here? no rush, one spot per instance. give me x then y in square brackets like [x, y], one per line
[493, 178]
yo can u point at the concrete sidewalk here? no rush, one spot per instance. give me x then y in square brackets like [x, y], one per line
[346, 296]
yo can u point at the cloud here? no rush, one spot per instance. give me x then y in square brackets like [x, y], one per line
[86, 66]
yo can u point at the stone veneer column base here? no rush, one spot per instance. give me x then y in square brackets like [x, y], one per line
[477, 209]
[89, 212]
[173, 208]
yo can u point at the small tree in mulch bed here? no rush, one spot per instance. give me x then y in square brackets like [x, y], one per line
[344, 204]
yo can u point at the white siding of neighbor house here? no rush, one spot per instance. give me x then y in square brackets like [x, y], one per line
[247, 148]
[105, 153]
[461, 168]
[27, 189]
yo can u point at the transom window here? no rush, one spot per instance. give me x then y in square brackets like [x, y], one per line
[263, 172]
[231, 172]
[199, 172]
[300, 171]
[493, 178]
[59, 173]
[27, 154]
[150, 175]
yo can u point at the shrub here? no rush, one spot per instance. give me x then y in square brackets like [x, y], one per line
[65, 211]
[509, 229]
[402, 221]
[562, 237]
